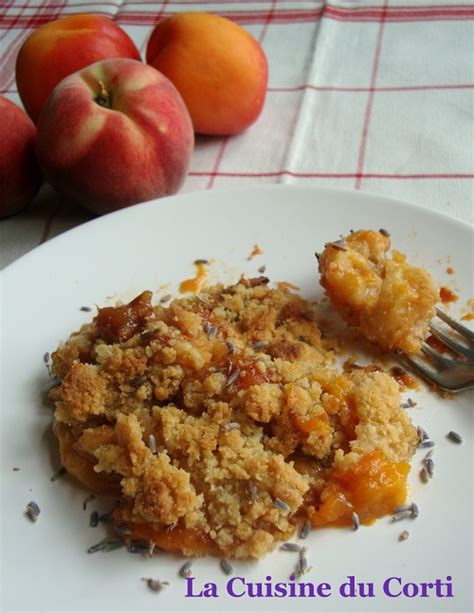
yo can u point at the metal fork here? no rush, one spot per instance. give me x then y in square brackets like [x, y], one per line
[453, 375]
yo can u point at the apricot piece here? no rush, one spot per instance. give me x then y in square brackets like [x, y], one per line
[115, 324]
[174, 539]
[219, 69]
[373, 487]
[314, 424]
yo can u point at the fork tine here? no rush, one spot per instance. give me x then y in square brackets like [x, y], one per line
[463, 330]
[451, 343]
[438, 357]
[421, 367]
[444, 379]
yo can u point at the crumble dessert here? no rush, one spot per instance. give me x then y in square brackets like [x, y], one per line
[223, 423]
[388, 300]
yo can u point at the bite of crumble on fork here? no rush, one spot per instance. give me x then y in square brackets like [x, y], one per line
[390, 301]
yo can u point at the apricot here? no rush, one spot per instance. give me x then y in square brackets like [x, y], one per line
[219, 69]
[61, 47]
[373, 487]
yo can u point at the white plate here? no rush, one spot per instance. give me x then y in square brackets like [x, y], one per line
[45, 565]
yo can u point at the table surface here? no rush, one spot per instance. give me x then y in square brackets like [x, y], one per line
[366, 95]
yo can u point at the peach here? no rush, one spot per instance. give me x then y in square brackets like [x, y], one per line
[20, 176]
[219, 69]
[114, 134]
[62, 47]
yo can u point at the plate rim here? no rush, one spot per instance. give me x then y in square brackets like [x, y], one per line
[168, 200]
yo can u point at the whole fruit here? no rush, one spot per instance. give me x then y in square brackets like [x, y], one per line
[219, 69]
[62, 47]
[114, 134]
[20, 176]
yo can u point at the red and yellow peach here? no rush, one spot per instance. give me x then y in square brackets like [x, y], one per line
[20, 176]
[62, 47]
[114, 134]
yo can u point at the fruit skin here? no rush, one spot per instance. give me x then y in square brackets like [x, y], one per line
[20, 175]
[219, 69]
[110, 158]
[62, 47]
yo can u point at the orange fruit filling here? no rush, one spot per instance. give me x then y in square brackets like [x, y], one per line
[373, 487]
[178, 539]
